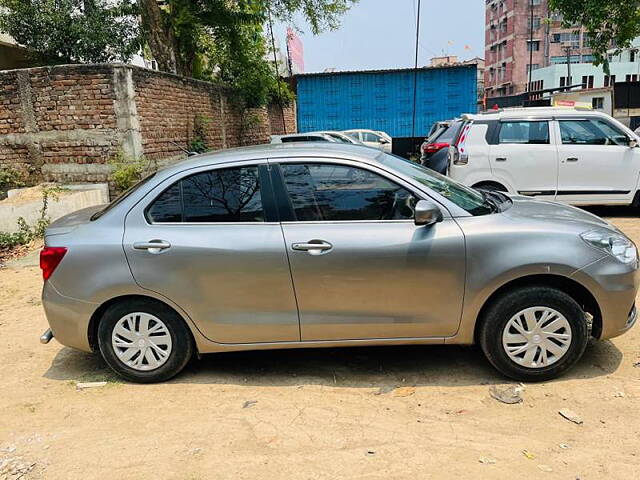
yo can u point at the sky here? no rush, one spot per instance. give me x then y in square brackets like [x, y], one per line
[380, 34]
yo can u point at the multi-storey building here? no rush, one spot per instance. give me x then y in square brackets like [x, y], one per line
[514, 43]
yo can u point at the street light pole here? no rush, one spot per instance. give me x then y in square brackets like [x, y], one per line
[567, 51]
[530, 46]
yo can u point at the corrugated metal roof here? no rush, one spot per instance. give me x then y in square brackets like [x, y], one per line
[390, 70]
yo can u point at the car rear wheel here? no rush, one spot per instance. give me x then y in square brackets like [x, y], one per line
[534, 333]
[144, 341]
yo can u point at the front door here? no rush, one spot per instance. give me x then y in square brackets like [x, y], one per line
[362, 269]
[596, 163]
[211, 244]
[523, 155]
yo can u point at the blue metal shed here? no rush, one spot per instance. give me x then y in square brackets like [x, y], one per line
[383, 99]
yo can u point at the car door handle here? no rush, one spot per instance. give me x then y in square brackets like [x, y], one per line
[314, 247]
[572, 159]
[501, 159]
[152, 246]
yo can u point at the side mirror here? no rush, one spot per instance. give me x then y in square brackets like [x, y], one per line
[383, 141]
[633, 143]
[426, 213]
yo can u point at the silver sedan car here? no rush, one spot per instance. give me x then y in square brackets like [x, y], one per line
[278, 246]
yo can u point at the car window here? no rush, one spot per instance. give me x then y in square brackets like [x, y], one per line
[465, 197]
[449, 134]
[224, 195]
[338, 138]
[328, 192]
[370, 137]
[536, 133]
[304, 138]
[591, 132]
[354, 135]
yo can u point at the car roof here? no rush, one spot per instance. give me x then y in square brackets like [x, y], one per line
[522, 112]
[278, 150]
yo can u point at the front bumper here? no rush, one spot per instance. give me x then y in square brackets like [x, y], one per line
[68, 318]
[614, 286]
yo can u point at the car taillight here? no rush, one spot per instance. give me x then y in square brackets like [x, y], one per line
[50, 258]
[435, 147]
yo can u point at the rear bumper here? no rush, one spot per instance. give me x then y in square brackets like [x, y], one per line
[68, 318]
[614, 286]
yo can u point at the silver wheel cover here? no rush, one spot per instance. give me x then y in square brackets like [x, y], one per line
[141, 341]
[537, 337]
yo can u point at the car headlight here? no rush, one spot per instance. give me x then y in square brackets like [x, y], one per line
[613, 243]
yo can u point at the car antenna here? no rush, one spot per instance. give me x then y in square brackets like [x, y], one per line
[189, 153]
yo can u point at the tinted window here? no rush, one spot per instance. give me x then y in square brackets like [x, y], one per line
[226, 195]
[310, 138]
[449, 134]
[168, 206]
[324, 192]
[524, 132]
[370, 137]
[591, 132]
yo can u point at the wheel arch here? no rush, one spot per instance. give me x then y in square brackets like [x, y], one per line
[94, 321]
[491, 183]
[574, 289]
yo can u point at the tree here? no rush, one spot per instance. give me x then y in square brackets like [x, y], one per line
[177, 32]
[67, 31]
[609, 24]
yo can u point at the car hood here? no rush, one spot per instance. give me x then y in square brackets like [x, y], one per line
[531, 208]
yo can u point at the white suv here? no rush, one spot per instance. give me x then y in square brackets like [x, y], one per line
[574, 156]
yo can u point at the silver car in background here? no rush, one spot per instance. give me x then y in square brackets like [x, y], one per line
[277, 246]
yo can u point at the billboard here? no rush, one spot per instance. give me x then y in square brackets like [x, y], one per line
[295, 52]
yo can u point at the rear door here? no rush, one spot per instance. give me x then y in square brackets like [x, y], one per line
[596, 163]
[210, 241]
[523, 154]
[362, 269]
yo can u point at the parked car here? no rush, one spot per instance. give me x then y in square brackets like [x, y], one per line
[435, 150]
[303, 137]
[274, 246]
[574, 156]
[341, 137]
[372, 138]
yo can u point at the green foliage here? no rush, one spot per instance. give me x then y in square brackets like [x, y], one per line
[127, 171]
[27, 233]
[200, 124]
[9, 178]
[226, 41]
[608, 23]
[65, 31]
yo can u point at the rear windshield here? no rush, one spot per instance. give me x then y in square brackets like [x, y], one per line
[449, 134]
[121, 197]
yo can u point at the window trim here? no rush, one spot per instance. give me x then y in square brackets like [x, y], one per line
[271, 217]
[351, 164]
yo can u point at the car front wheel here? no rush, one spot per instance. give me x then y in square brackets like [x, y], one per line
[144, 341]
[534, 333]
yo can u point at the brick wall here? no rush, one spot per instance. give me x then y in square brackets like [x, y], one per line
[64, 123]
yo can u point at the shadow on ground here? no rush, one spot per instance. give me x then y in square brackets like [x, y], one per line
[355, 367]
[613, 211]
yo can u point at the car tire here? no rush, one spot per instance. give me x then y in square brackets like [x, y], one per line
[555, 317]
[146, 326]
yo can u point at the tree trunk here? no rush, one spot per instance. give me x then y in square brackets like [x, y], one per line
[160, 39]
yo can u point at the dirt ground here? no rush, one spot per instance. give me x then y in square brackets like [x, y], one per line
[387, 413]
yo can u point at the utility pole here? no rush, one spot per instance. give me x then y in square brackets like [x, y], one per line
[530, 47]
[415, 74]
[567, 51]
